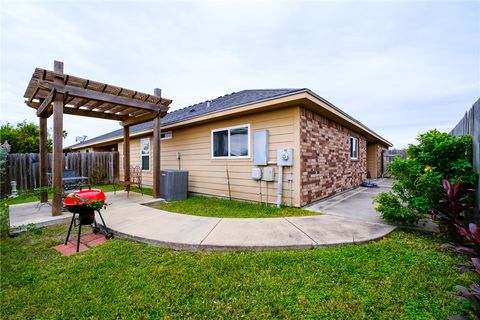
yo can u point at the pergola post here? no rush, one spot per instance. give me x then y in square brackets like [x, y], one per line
[156, 151]
[57, 165]
[126, 157]
[43, 160]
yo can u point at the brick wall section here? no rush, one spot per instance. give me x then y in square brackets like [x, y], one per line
[326, 166]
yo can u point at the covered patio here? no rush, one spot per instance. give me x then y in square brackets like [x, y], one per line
[54, 93]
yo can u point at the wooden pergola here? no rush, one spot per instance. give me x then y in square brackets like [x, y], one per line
[55, 93]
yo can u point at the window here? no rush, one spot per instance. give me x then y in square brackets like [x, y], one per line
[233, 142]
[166, 135]
[145, 153]
[353, 148]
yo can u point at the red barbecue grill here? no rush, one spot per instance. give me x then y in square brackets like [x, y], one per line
[84, 203]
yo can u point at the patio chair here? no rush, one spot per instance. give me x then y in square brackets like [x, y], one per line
[135, 179]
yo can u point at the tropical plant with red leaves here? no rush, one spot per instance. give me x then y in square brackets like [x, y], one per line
[471, 294]
[453, 208]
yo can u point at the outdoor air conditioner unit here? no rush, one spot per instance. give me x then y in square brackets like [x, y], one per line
[173, 184]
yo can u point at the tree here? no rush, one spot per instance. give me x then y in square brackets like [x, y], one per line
[24, 137]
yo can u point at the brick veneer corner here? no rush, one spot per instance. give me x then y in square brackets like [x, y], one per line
[326, 167]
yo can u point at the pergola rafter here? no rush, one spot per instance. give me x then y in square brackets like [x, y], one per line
[55, 93]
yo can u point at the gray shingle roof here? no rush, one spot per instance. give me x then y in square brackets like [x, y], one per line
[228, 101]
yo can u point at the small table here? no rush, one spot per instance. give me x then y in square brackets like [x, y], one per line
[74, 182]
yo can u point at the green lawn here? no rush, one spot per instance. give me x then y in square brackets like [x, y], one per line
[224, 208]
[404, 276]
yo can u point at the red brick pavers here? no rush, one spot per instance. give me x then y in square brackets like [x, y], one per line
[86, 242]
[92, 240]
[70, 248]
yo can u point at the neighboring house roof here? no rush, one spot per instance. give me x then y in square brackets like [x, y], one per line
[228, 101]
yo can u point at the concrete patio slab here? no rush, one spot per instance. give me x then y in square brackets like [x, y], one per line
[355, 204]
[167, 229]
[127, 217]
[328, 230]
[256, 234]
[28, 214]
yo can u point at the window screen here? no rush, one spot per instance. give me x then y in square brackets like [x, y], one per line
[239, 142]
[220, 143]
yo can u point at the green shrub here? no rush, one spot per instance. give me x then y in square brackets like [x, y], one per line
[97, 177]
[4, 222]
[417, 185]
[3, 170]
[392, 210]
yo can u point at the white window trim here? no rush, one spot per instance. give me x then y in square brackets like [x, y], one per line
[168, 135]
[228, 130]
[350, 148]
[144, 155]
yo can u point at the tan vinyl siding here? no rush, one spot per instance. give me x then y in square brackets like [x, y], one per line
[208, 176]
[372, 160]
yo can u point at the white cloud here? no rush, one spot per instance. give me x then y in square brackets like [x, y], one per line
[400, 68]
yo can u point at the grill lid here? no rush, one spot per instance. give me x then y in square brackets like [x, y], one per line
[84, 197]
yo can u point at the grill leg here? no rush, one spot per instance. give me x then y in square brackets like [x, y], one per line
[108, 234]
[70, 229]
[78, 238]
[103, 221]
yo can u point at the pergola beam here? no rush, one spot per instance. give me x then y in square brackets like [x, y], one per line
[141, 119]
[43, 109]
[81, 103]
[101, 96]
[94, 114]
[83, 113]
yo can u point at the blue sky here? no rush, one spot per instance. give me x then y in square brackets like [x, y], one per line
[398, 67]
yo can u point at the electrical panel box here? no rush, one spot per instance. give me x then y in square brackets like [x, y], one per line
[285, 157]
[256, 173]
[268, 174]
[260, 147]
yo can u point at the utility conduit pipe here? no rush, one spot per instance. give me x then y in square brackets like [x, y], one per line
[280, 186]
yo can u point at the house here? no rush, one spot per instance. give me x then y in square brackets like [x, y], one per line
[215, 141]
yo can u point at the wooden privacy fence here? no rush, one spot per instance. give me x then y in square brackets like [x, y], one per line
[470, 125]
[389, 156]
[99, 167]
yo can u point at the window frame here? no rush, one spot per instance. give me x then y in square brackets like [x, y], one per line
[145, 155]
[356, 148]
[229, 157]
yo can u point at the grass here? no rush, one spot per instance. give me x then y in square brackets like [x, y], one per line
[404, 276]
[224, 208]
[32, 196]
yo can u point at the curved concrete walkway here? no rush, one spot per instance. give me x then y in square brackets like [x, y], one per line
[129, 218]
